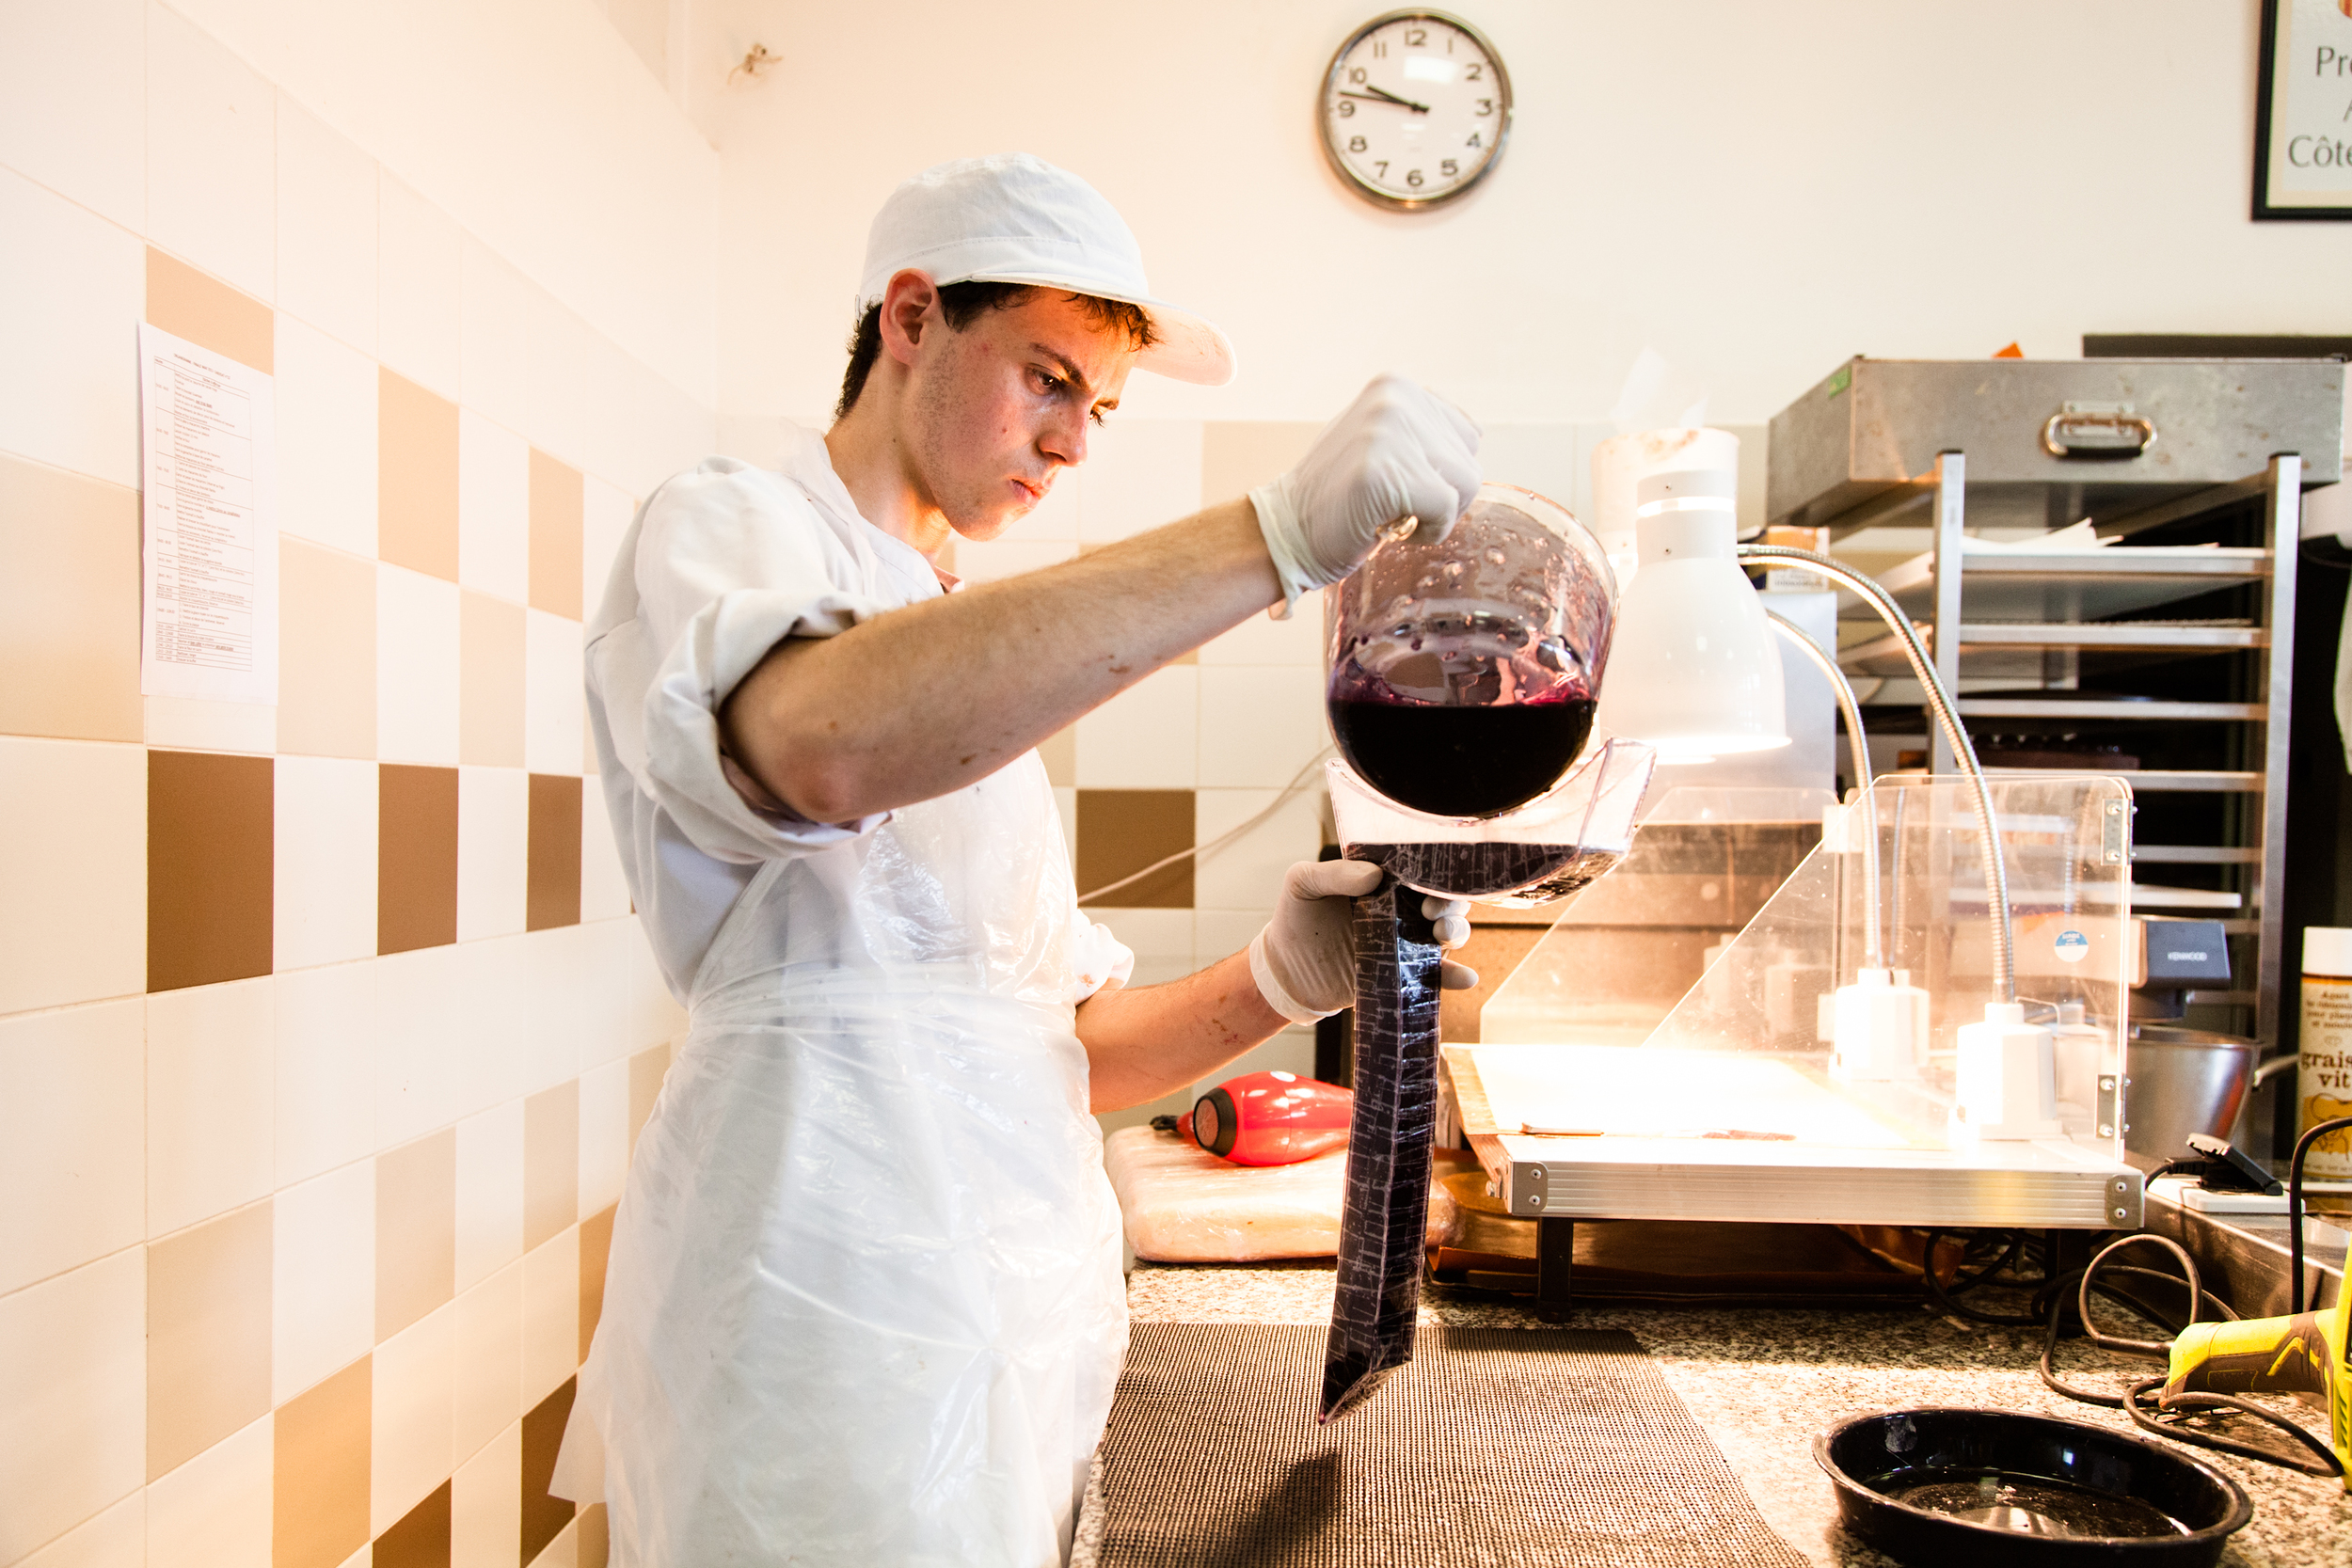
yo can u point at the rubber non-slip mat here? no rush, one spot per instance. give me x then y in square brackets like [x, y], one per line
[1493, 1449]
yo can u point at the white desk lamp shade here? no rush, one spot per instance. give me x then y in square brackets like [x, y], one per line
[1693, 669]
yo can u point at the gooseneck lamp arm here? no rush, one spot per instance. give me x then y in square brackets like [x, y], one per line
[1784, 558]
[1873, 936]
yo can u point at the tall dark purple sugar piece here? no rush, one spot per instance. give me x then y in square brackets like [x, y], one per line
[1385, 1217]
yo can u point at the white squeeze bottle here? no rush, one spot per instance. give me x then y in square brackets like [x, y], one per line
[2323, 1077]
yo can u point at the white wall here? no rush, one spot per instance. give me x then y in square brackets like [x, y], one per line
[1757, 190]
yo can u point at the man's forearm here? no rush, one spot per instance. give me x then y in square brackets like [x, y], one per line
[923, 701]
[1142, 1043]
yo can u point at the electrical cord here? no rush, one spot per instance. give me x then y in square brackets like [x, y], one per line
[1299, 782]
[2294, 1210]
[1945, 1295]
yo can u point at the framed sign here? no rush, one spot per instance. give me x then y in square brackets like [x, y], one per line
[2303, 111]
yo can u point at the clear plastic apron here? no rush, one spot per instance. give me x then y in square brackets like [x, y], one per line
[865, 1303]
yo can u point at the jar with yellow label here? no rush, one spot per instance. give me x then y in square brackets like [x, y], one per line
[2322, 1076]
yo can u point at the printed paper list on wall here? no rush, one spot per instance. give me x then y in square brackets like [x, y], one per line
[208, 431]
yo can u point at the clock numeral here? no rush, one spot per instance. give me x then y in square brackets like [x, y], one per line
[1473, 72]
[1382, 164]
[1354, 144]
[1379, 48]
[1448, 169]
[1416, 36]
[1473, 141]
[1357, 76]
[1347, 108]
[1485, 107]
[1413, 179]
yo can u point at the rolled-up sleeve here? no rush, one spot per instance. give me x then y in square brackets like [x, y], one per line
[729, 562]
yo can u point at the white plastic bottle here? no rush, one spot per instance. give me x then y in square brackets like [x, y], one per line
[2323, 1077]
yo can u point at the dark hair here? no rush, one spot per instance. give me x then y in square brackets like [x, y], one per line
[962, 303]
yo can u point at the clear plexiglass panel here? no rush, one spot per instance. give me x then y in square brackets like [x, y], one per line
[1747, 1049]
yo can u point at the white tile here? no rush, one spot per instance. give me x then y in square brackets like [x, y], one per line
[214, 1510]
[1139, 473]
[325, 863]
[550, 1315]
[210, 1078]
[488, 1380]
[114, 1539]
[412, 1437]
[1160, 940]
[489, 1192]
[603, 1135]
[418, 306]
[416, 668]
[1009, 558]
[485, 1504]
[1065, 806]
[1545, 458]
[759, 439]
[604, 1024]
[1264, 639]
[325, 1069]
[74, 922]
[1221, 933]
[73, 291]
[73, 1146]
[327, 439]
[1247, 873]
[1055, 519]
[554, 706]
[570, 391]
[73, 104]
[1259, 725]
[1144, 737]
[496, 304]
[323, 1279]
[188, 725]
[603, 884]
[73, 1398]
[605, 514]
[655, 1015]
[493, 509]
[212, 155]
[499, 991]
[327, 230]
[493, 851]
[419, 1051]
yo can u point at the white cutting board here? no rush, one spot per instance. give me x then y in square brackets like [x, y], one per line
[1180, 1204]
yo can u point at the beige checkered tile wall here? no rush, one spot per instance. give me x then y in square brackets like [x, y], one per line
[325, 1029]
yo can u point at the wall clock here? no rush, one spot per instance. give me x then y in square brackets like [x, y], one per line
[1415, 109]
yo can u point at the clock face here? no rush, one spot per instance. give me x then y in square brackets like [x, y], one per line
[1415, 108]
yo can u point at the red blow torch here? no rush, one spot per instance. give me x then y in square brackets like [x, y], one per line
[1265, 1119]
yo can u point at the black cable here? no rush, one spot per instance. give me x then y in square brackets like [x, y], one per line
[1944, 1297]
[2295, 1209]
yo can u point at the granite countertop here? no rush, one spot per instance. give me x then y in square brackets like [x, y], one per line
[1762, 1380]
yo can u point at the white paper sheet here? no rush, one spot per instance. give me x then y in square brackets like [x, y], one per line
[209, 549]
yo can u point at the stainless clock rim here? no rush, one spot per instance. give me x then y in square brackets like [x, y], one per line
[1330, 74]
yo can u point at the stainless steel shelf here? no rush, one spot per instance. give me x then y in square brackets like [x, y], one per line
[2107, 708]
[2195, 854]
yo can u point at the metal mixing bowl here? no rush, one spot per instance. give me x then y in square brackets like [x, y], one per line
[2183, 1081]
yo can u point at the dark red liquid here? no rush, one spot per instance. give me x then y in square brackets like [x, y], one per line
[1461, 761]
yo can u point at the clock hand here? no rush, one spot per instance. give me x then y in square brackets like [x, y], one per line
[1381, 95]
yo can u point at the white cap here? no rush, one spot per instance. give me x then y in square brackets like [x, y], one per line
[2327, 950]
[1012, 218]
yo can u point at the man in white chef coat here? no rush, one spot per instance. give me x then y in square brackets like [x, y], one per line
[864, 1304]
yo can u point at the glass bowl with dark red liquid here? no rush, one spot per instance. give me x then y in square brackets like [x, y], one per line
[1463, 672]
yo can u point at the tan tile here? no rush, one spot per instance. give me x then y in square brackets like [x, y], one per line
[208, 1334]
[326, 652]
[554, 899]
[72, 924]
[545, 1516]
[555, 536]
[645, 1072]
[490, 681]
[416, 483]
[211, 842]
[415, 1230]
[322, 1471]
[1238, 456]
[1122, 831]
[415, 858]
[596, 1538]
[209, 313]
[550, 1162]
[421, 1539]
[596, 1249]
[1059, 753]
[68, 605]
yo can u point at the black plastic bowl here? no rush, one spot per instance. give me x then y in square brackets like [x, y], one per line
[1937, 1486]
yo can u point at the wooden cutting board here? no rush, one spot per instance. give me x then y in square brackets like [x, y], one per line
[1182, 1204]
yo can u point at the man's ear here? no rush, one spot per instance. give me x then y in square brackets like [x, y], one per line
[910, 307]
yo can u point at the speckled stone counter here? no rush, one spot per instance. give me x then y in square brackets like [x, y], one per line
[1763, 1382]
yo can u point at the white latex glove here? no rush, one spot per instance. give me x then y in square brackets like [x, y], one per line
[1399, 451]
[1304, 962]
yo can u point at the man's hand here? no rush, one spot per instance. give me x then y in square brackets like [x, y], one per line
[1399, 451]
[1304, 962]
